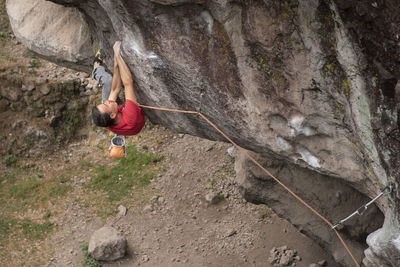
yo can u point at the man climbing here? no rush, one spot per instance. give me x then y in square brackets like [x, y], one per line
[127, 120]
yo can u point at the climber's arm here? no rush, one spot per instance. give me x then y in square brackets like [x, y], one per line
[125, 73]
[116, 82]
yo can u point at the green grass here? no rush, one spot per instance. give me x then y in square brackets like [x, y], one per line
[88, 261]
[32, 230]
[27, 228]
[9, 160]
[21, 193]
[135, 171]
[28, 190]
[34, 63]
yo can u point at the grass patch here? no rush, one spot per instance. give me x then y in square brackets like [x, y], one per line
[21, 194]
[32, 230]
[21, 190]
[5, 228]
[133, 172]
[10, 160]
[27, 228]
[88, 261]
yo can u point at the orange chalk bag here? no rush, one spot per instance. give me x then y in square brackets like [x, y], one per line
[117, 147]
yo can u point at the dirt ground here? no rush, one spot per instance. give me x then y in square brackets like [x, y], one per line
[174, 225]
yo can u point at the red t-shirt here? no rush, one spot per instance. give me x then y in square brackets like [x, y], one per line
[132, 119]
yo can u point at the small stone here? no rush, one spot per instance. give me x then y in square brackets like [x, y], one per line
[285, 260]
[28, 86]
[323, 263]
[122, 210]
[148, 208]
[161, 200]
[297, 258]
[290, 253]
[45, 89]
[314, 265]
[212, 197]
[40, 80]
[283, 248]
[145, 258]
[231, 151]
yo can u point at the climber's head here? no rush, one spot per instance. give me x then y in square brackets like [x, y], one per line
[104, 115]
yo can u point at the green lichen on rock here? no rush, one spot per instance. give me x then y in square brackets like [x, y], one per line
[269, 66]
[286, 9]
[346, 88]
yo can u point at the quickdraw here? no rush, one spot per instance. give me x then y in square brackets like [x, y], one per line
[360, 211]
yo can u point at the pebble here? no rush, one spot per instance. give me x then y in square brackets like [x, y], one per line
[122, 210]
[148, 208]
[28, 86]
[231, 151]
[161, 200]
[212, 198]
[145, 258]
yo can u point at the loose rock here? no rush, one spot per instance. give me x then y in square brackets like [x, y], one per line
[107, 244]
[122, 210]
[212, 198]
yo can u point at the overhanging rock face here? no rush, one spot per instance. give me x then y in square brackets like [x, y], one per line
[303, 82]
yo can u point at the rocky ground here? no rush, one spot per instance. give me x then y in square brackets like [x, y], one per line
[177, 225]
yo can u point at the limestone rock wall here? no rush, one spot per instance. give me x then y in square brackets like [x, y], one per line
[302, 82]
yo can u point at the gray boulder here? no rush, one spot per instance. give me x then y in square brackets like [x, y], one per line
[304, 83]
[107, 244]
[59, 33]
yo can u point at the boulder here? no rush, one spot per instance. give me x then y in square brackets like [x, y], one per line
[303, 83]
[107, 244]
[64, 34]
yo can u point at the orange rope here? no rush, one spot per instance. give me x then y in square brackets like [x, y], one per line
[265, 170]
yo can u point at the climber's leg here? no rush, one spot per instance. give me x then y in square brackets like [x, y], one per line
[104, 79]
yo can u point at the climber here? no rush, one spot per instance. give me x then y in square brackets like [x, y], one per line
[121, 120]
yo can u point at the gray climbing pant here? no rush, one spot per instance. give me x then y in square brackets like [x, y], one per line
[104, 79]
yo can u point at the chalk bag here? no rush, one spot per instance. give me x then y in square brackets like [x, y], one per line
[117, 147]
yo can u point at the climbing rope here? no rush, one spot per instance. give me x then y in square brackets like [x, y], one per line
[265, 170]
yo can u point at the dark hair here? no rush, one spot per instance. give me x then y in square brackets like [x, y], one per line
[101, 119]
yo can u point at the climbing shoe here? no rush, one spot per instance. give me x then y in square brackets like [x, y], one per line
[100, 56]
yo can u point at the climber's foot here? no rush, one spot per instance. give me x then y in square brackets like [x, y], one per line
[99, 57]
